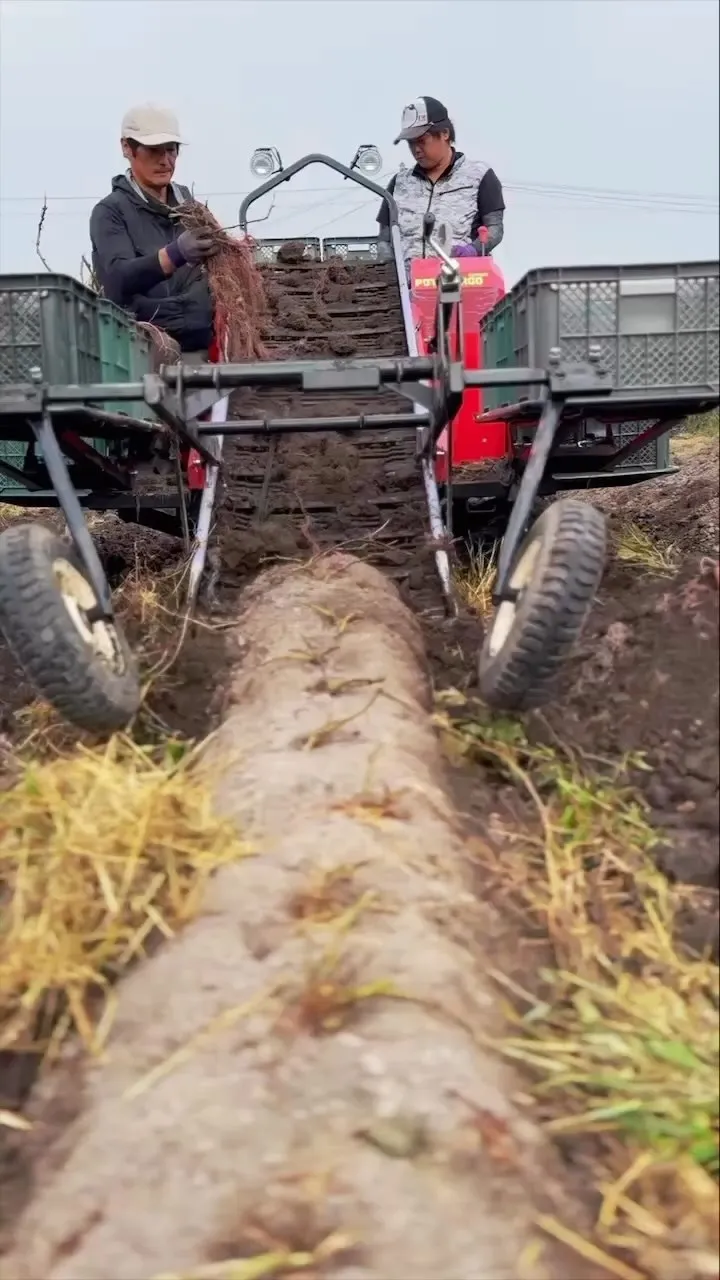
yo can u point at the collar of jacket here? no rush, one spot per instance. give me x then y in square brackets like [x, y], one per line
[457, 156]
[174, 188]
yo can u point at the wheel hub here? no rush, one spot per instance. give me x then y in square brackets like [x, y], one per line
[505, 614]
[79, 600]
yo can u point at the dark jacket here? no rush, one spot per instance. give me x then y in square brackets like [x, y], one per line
[127, 232]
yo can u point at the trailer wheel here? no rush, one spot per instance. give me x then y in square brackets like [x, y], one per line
[84, 669]
[557, 575]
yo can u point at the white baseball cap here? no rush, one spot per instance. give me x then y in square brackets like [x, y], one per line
[151, 126]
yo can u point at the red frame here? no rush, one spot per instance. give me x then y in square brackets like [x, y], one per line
[483, 287]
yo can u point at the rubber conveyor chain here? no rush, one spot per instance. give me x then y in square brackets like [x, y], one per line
[364, 487]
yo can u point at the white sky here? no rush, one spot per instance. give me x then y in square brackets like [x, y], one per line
[614, 95]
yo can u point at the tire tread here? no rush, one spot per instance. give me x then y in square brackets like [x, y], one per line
[43, 640]
[522, 676]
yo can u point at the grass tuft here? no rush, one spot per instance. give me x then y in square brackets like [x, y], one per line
[475, 579]
[620, 1031]
[635, 547]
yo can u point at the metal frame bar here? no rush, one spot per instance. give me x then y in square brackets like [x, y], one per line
[72, 510]
[91, 500]
[423, 411]
[422, 416]
[316, 157]
[203, 529]
[660, 428]
[292, 426]
[617, 405]
[79, 451]
[527, 492]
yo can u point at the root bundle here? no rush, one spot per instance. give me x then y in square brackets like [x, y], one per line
[236, 286]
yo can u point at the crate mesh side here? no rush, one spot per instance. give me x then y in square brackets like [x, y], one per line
[694, 365]
[13, 452]
[88, 346]
[20, 335]
[23, 345]
[588, 312]
[647, 458]
[713, 355]
[356, 249]
[697, 303]
[578, 349]
[266, 251]
[588, 309]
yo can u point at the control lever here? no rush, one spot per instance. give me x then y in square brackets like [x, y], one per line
[449, 270]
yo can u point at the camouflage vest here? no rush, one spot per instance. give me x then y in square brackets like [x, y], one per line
[453, 201]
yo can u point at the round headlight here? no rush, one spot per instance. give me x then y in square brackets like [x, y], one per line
[265, 162]
[369, 161]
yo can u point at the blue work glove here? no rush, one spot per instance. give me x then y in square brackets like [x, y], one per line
[463, 251]
[191, 247]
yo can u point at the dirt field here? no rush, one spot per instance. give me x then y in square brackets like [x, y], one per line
[623, 765]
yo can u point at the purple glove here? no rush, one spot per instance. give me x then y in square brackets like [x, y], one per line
[463, 251]
[191, 247]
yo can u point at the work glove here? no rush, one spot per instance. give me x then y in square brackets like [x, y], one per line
[463, 251]
[384, 251]
[191, 247]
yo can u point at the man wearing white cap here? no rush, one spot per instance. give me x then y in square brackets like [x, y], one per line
[142, 259]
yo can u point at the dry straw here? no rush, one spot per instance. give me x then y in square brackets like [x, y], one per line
[101, 852]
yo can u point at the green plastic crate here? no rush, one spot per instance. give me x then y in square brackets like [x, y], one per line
[58, 326]
[48, 323]
[124, 356]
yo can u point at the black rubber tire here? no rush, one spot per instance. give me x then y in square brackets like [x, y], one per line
[552, 609]
[64, 668]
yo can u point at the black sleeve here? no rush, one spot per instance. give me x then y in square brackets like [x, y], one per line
[120, 272]
[490, 199]
[382, 217]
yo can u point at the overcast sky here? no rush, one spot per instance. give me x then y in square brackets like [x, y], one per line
[616, 96]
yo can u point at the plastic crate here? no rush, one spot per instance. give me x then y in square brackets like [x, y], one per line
[266, 251]
[58, 326]
[352, 248]
[48, 322]
[124, 355]
[654, 326]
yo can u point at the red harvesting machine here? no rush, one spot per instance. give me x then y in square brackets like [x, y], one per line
[483, 286]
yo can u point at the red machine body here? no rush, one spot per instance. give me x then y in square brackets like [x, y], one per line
[483, 286]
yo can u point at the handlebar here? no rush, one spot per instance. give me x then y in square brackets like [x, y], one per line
[317, 158]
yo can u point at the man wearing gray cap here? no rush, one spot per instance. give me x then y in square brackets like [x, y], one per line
[465, 195]
[144, 262]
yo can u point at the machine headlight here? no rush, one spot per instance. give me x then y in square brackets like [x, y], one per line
[265, 161]
[368, 160]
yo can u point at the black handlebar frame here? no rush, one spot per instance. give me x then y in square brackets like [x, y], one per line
[316, 157]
